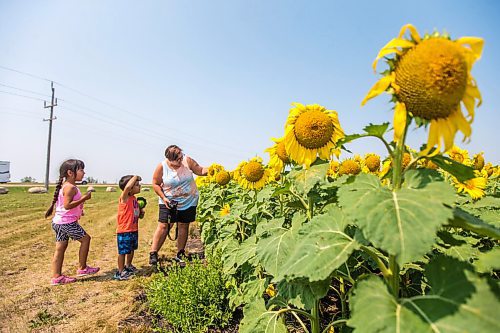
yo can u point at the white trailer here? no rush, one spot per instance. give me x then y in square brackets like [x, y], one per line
[4, 172]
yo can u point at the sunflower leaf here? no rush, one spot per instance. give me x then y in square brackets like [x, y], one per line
[376, 130]
[258, 319]
[321, 247]
[274, 246]
[464, 220]
[304, 180]
[458, 170]
[302, 293]
[457, 300]
[404, 222]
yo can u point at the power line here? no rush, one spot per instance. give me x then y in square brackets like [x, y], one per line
[141, 117]
[24, 73]
[19, 95]
[25, 90]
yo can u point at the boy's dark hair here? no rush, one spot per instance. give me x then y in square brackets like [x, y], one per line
[123, 181]
[173, 152]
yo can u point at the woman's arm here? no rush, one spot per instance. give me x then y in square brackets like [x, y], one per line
[157, 181]
[196, 168]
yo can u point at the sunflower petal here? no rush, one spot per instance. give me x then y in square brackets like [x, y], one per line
[399, 121]
[379, 87]
[432, 140]
[413, 32]
[476, 45]
[391, 47]
[462, 124]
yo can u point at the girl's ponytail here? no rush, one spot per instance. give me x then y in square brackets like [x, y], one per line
[56, 195]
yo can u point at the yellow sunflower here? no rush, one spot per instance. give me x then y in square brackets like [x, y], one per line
[312, 130]
[202, 181]
[372, 163]
[222, 178]
[213, 170]
[459, 155]
[333, 169]
[278, 156]
[225, 210]
[478, 161]
[252, 174]
[474, 187]
[429, 78]
[349, 167]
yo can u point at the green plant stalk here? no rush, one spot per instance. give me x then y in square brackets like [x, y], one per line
[334, 324]
[397, 165]
[315, 326]
[387, 272]
[310, 210]
[394, 279]
[343, 298]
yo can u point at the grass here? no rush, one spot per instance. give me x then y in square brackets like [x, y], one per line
[97, 303]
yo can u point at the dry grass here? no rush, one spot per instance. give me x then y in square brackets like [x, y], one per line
[93, 304]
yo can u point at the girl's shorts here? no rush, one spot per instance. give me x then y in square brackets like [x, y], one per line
[127, 242]
[66, 231]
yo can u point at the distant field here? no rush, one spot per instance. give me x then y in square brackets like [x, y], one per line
[94, 304]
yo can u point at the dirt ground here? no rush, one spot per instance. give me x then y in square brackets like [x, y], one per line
[28, 303]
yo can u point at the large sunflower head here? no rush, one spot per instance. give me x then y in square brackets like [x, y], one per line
[429, 78]
[252, 174]
[278, 156]
[312, 131]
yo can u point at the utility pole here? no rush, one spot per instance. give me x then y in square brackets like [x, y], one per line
[51, 106]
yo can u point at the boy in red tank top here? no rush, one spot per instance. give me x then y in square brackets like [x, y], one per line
[127, 228]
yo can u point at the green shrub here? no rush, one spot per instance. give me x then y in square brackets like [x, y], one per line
[192, 298]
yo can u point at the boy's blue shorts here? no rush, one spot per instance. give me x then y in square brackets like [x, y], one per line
[127, 242]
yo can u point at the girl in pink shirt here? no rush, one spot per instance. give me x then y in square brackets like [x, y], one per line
[68, 202]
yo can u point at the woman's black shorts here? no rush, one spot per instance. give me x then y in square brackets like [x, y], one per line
[183, 216]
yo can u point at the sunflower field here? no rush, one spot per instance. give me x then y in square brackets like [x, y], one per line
[407, 242]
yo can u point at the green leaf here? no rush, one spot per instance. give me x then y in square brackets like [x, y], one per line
[488, 261]
[258, 320]
[464, 220]
[403, 222]
[321, 247]
[302, 293]
[304, 180]
[274, 247]
[376, 130]
[457, 301]
[460, 171]
[374, 309]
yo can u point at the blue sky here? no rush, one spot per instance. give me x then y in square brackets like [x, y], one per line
[214, 77]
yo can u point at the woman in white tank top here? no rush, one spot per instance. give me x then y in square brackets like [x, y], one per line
[174, 184]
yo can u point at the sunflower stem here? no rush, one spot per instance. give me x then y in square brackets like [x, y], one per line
[315, 326]
[397, 162]
[310, 210]
[383, 268]
[394, 279]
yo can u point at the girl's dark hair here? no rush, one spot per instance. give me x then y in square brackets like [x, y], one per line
[69, 165]
[173, 152]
